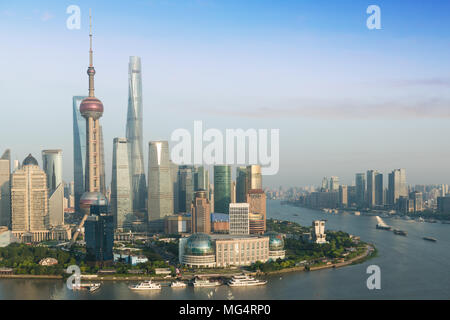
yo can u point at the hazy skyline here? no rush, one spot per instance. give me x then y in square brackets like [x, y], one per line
[345, 98]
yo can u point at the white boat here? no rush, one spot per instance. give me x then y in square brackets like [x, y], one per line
[205, 283]
[146, 285]
[245, 281]
[178, 284]
[91, 287]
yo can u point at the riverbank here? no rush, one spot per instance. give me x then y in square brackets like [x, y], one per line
[368, 253]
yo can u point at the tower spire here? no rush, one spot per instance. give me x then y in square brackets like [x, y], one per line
[91, 70]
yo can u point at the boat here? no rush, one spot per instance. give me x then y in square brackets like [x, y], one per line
[178, 284]
[91, 287]
[400, 232]
[245, 281]
[205, 283]
[295, 215]
[430, 239]
[146, 285]
[383, 227]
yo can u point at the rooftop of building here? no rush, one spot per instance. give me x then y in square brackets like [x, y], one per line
[236, 237]
[256, 191]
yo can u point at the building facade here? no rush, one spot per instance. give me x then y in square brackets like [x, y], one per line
[239, 218]
[201, 213]
[257, 200]
[79, 150]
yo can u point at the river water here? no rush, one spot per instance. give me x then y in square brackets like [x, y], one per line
[411, 268]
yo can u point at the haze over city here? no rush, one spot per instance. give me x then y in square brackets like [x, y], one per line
[345, 98]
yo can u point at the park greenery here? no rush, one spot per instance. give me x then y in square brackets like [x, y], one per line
[301, 252]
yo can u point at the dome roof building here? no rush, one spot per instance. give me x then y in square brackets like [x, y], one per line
[30, 161]
[199, 244]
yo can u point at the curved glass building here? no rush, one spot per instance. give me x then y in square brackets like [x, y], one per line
[134, 135]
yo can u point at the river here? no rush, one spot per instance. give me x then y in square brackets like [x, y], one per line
[411, 268]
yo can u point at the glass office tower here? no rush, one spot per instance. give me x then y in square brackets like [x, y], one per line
[52, 164]
[134, 134]
[121, 206]
[79, 150]
[222, 188]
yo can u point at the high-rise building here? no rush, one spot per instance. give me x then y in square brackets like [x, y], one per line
[102, 164]
[379, 190]
[79, 150]
[239, 218]
[343, 196]
[360, 189]
[201, 213]
[397, 186]
[334, 183]
[202, 180]
[254, 177]
[222, 188]
[241, 184]
[233, 191]
[52, 165]
[99, 235]
[56, 206]
[160, 192]
[134, 134]
[324, 184]
[256, 198]
[186, 187]
[319, 235]
[416, 199]
[5, 189]
[29, 201]
[175, 186]
[121, 200]
[371, 189]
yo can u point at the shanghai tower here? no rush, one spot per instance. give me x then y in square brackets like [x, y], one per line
[134, 135]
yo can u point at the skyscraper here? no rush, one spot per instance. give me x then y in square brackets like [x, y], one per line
[79, 150]
[52, 165]
[397, 186]
[222, 188]
[134, 134]
[29, 201]
[241, 184]
[371, 188]
[360, 189]
[175, 186]
[160, 192]
[334, 183]
[5, 189]
[202, 180]
[186, 186]
[201, 213]
[254, 177]
[379, 190]
[99, 235]
[121, 202]
[256, 198]
[343, 196]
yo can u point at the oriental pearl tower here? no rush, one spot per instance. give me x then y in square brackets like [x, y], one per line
[91, 109]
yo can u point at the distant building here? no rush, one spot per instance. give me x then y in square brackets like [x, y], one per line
[360, 189]
[52, 165]
[220, 223]
[397, 186]
[241, 184]
[343, 196]
[416, 199]
[178, 224]
[256, 223]
[371, 188]
[379, 190]
[201, 213]
[79, 150]
[334, 184]
[239, 218]
[443, 204]
[175, 186]
[256, 198]
[5, 189]
[254, 177]
[318, 235]
[121, 193]
[186, 185]
[222, 188]
[160, 190]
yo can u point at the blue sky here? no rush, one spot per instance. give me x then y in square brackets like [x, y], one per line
[345, 98]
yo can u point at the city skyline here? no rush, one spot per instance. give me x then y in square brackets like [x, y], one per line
[329, 139]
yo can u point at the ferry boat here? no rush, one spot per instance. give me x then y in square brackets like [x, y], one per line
[430, 239]
[205, 283]
[245, 281]
[383, 227]
[400, 232]
[91, 287]
[146, 285]
[178, 284]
